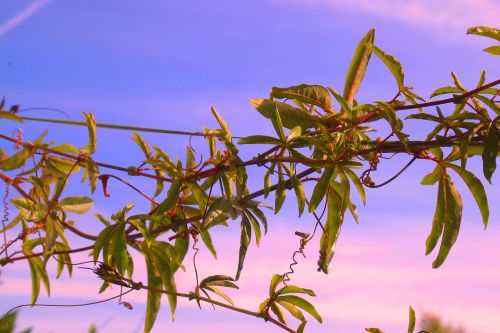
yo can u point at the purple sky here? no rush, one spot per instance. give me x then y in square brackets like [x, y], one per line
[165, 63]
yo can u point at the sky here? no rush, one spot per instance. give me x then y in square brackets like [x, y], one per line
[164, 64]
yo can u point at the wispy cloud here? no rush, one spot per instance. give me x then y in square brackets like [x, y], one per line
[22, 16]
[427, 13]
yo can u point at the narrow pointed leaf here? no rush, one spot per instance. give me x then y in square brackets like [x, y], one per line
[294, 290]
[452, 209]
[294, 310]
[476, 188]
[490, 151]
[279, 314]
[154, 297]
[259, 139]
[245, 237]
[275, 280]
[411, 321]
[357, 68]
[320, 188]
[301, 303]
[393, 64]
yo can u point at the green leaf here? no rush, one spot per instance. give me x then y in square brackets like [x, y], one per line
[299, 190]
[293, 310]
[246, 233]
[357, 182]
[280, 191]
[476, 188]
[8, 322]
[357, 68]
[446, 90]
[259, 139]
[290, 116]
[279, 314]
[277, 124]
[374, 330]
[207, 240]
[222, 123]
[345, 108]
[301, 327]
[485, 31]
[10, 116]
[301, 303]
[392, 64]
[338, 198]
[294, 133]
[142, 144]
[172, 197]
[78, 205]
[431, 178]
[154, 297]
[275, 280]
[91, 126]
[320, 188]
[220, 293]
[495, 50]
[411, 321]
[305, 93]
[14, 161]
[388, 112]
[295, 290]
[102, 241]
[38, 273]
[490, 151]
[143, 229]
[447, 218]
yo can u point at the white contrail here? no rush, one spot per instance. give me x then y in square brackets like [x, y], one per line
[22, 16]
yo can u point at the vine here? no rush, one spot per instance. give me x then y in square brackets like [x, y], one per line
[317, 131]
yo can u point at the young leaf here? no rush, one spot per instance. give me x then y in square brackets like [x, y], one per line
[357, 68]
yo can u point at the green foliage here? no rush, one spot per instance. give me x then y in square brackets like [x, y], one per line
[195, 198]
